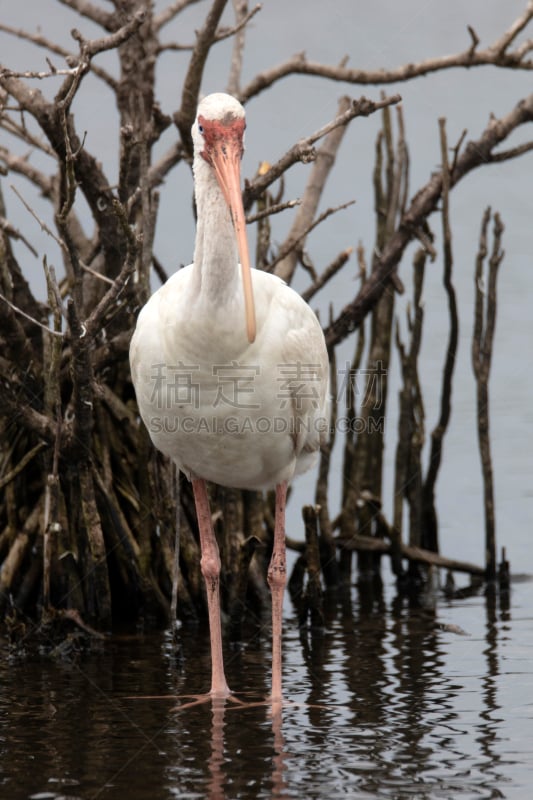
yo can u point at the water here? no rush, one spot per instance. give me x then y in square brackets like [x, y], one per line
[388, 701]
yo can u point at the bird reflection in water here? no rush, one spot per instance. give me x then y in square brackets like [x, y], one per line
[216, 787]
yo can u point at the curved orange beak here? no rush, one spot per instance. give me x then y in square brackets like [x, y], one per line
[226, 161]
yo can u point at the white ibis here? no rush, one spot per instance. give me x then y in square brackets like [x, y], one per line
[230, 367]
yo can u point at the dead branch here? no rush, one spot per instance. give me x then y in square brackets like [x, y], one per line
[476, 153]
[29, 456]
[303, 150]
[496, 54]
[184, 117]
[416, 554]
[88, 172]
[94, 13]
[41, 41]
[240, 8]
[275, 208]
[9, 230]
[389, 177]
[408, 469]
[482, 340]
[322, 166]
[326, 542]
[76, 463]
[242, 17]
[312, 600]
[222, 33]
[430, 531]
[170, 12]
[21, 165]
[327, 274]
[90, 48]
[296, 245]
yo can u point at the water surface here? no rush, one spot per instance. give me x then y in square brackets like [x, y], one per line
[388, 701]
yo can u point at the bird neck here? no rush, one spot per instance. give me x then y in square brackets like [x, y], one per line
[216, 257]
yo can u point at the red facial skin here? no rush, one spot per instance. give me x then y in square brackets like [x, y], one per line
[222, 135]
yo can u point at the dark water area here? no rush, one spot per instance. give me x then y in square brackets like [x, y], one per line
[388, 701]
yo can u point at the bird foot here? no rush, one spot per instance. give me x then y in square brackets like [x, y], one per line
[207, 697]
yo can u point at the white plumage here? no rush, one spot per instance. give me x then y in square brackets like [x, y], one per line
[238, 414]
[229, 364]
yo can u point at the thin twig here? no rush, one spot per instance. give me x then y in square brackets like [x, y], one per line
[328, 273]
[273, 209]
[294, 245]
[482, 343]
[193, 79]
[24, 461]
[437, 435]
[171, 11]
[303, 149]
[31, 319]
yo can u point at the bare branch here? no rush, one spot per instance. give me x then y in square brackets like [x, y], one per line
[241, 13]
[324, 161]
[10, 73]
[273, 209]
[475, 40]
[44, 227]
[90, 47]
[92, 12]
[430, 531]
[226, 33]
[424, 203]
[158, 171]
[88, 171]
[20, 131]
[42, 41]
[295, 245]
[184, 118]
[513, 152]
[5, 479]
[28, 316]
[303, 150]
[170, 12]
[496, 54]
[502, 44]
[13, 233]
[221, 34]
[328, 273]
[482, 342]
[524, 49]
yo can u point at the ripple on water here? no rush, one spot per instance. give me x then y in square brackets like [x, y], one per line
[386, 704]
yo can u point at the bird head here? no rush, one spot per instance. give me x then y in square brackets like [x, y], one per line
[218, 136]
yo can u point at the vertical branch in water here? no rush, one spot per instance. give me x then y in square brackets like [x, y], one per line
[312, 601]
[350, 479]
[52, 347]
[430, 538]
[390, 179]
[327, 547]
[96, 583]
[482, 339]
[176, 563]
[408, 469]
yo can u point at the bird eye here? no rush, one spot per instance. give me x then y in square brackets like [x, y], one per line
[200, 128]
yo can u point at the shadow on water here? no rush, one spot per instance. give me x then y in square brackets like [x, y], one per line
[386, 703]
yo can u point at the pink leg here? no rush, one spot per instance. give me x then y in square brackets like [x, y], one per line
[210, 565]
[277, 576]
